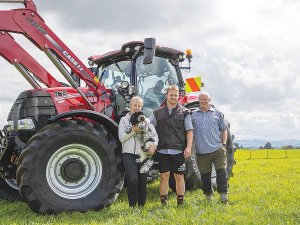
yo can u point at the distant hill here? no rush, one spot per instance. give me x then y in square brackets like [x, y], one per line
[256, 143]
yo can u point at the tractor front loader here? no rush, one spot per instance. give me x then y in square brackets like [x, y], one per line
[59, 148]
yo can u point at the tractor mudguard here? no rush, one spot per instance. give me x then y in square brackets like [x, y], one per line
[100, 118]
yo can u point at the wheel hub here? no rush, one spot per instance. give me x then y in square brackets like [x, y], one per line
[72, 170]
[12, 183]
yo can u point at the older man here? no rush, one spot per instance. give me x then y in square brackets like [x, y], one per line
[210, 135]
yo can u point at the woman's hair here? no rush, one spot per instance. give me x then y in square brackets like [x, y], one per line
[136, 99]
[172, 87]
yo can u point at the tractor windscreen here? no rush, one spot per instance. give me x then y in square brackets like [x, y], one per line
[153, 79]
[113, 75]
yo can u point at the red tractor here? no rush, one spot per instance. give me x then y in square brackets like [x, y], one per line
[60, 150]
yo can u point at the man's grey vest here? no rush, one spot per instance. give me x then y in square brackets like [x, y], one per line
[170, 128]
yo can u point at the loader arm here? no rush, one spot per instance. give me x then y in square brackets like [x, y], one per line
[29, 23]
[24, 62]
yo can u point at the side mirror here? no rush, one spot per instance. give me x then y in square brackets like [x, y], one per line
[149, 50]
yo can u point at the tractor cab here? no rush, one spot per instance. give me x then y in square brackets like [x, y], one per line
[125, 73]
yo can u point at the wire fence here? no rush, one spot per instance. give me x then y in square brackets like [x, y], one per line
[267, 154]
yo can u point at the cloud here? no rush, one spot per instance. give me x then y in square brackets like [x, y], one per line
[245, 51]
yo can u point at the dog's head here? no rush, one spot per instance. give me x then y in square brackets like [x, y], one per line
[138, 118]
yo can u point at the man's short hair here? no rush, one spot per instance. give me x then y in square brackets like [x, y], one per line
[172, 87]
[136, 99]
[204, 93]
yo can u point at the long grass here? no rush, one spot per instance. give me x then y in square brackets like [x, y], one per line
[262, 191]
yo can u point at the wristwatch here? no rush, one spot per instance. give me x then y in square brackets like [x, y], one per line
[224, 145]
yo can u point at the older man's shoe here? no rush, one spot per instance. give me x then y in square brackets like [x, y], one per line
[225, 203]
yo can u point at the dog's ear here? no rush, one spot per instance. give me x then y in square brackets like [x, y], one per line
[137, 117]
[134, 118]
[141, 116]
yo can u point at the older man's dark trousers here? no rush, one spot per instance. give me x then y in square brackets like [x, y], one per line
[205, 161]
[136, 182]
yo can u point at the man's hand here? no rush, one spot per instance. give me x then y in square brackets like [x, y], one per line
[187, 152]
[136, 129]
[151, 150]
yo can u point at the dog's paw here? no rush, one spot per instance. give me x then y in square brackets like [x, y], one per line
[145, 149]
[144, 169]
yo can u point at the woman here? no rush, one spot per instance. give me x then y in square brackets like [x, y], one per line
[136, 182]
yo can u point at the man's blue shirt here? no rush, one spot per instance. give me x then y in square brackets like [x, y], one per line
[207, 130]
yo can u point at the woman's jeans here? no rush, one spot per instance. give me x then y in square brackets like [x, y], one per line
[136, 182]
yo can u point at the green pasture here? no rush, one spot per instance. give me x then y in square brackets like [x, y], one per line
[265, 189]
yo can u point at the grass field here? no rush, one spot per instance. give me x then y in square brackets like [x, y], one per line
[264, 190]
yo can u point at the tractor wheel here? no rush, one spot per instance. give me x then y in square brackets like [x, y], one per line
[231, 149]
[9, 189]
[70, 166]
[192, 177]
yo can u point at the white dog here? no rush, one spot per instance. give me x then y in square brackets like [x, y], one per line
[146, 139]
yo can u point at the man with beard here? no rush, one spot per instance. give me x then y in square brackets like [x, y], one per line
[175, 132]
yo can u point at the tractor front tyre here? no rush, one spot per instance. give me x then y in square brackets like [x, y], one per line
[9, 189]
[71, 165]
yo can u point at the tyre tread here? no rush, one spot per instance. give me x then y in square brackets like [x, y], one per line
[35, 142]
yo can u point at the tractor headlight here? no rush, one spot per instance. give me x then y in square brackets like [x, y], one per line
[124, 85]
[23, 124]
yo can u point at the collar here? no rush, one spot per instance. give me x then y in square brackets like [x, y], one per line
[210, 109]
[172, 108]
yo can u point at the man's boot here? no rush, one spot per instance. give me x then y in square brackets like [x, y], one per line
[179, 200]
[164, 199]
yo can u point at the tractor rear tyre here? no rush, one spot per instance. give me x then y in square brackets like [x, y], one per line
[71, 165]
[9, 189]
[231, 149]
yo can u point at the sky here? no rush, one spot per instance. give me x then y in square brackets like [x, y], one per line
[246, 52]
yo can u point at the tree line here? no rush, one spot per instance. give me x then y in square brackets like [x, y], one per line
[268, 145]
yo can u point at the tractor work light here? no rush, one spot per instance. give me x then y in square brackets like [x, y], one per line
[127, 49]
[189, 53]
[91, 63]
[23, 124]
